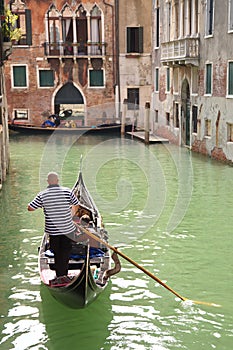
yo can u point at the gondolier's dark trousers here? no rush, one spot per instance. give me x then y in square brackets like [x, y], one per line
[61, 246]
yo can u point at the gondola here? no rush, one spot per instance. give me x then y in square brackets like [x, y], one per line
[61, 129]
[90, 260]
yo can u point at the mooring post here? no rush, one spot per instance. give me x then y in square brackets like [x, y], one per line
[147, 122]
[124, 116]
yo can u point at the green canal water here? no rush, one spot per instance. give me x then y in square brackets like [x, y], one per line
[166, 208]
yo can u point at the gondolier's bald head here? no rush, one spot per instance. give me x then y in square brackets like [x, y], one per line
[52, 178]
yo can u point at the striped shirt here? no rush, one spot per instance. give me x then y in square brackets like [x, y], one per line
[56, 202]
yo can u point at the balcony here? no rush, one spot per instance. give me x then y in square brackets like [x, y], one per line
[74, 50]
[181, 52]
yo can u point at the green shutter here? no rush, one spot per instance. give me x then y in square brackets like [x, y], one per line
[230, 79]
[128, 40]
[96, 78]
[19, 76]
[208, 78]
[140, 39]
[28, 27]
[46, 78]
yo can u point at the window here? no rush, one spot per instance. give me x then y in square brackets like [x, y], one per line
[67, 30]
[46, 78]
[208, 81]
[207, 127]
[23, 22]
[230, 78]
[230, 25]
[194, 114]
[156, 79]
[167, 118]
[81, 29]
[133, 99]
[168, 80]
[157, 27]
[21, 114]
[176, 121]
[209, 17]
[176, 80]
[229, 132]
[96, 31]
[134, 39]
[96, 78]
[156, 116]
[194, 80]
[19, 76]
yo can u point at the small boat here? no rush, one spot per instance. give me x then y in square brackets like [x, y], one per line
[61, 129]
[90, 260]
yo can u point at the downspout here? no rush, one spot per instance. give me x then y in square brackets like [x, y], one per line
[115, 47]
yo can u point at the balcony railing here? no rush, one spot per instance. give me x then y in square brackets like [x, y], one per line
[181, 51]
[72, 49]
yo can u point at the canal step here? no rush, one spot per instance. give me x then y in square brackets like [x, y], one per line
[140, 135]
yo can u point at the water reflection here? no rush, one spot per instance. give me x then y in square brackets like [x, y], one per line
[135, 312]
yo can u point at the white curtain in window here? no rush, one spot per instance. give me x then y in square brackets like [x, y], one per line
[95, 35]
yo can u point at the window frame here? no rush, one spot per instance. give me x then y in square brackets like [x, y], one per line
[229, 80]
[134, 46]
[209, 25]
[89, 79]
[230, 132]
[39, 70]
[194, 120]
[13, 75]
[130, 104]
[19, 110]
[156, 79]
[168, 80]
[208, 79]
[230, 16]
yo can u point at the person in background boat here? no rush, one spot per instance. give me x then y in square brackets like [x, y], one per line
[56, 202]
[57, 120]
[49, 122]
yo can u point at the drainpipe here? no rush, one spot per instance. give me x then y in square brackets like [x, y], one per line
[115, 49]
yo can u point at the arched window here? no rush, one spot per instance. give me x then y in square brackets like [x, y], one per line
[81, 29]
[67, 30]
[96, 30]
[53, 30]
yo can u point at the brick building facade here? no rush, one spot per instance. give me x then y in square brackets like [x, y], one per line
[64, 60]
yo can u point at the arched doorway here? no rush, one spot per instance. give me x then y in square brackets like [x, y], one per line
[185, 113]
[69, 102]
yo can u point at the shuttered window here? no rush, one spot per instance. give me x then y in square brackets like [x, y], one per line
[156, 79]
[230, 78]
[46, 78]
[208, 79]
[96, 78]
[24, 22]
[230, 15]
[133, 98]
[134, 39]
[209, 17]
[19, 76]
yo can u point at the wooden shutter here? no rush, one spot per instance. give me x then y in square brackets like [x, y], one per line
[128, 40]
[28, 27]
[140, 39]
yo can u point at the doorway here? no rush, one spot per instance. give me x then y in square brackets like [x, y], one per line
[185, 113]
[69, 102]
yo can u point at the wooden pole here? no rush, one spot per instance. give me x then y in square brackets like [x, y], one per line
[147, 123]
[123, 116]
[148, 273]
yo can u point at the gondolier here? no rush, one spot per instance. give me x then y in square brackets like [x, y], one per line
[56, 202]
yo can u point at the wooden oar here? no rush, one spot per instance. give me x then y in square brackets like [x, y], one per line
[148, 273]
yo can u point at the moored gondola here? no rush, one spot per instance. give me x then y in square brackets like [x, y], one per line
[90, 260]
